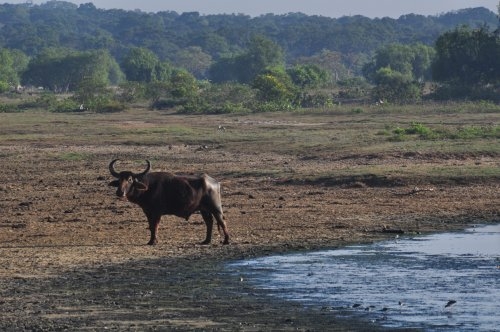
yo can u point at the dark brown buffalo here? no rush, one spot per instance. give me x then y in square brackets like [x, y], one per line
[162, 193]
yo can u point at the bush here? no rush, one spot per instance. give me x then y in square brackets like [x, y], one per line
[129, 92]
[476, 132]
[273, 107]
[466, 92]
[164, 103]
[396, 87]
[66, 105]
[4, 86]
[111, 106]
[9, 108]
[319, 99]
[222, 99]
[274, 85]
[353, 88]
[415, 128]
[423, 132]
[418, 129]
[46, 100]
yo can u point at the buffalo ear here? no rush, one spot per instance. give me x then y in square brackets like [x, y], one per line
[114, 183]
[140, 186]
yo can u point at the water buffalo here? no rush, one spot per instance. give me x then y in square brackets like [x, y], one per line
[163, 193]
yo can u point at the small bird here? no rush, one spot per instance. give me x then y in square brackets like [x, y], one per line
[450, 303]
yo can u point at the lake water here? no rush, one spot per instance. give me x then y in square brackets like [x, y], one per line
[406, 282]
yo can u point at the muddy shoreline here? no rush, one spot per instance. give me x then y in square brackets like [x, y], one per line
[188, 290]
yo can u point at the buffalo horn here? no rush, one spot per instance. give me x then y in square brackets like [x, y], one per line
[112, 168]
[148, 168]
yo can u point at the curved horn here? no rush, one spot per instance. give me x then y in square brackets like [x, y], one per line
[148, 168]
[112, 168]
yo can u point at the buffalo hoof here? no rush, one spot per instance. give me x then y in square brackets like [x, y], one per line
[206, 242]
[152, 242]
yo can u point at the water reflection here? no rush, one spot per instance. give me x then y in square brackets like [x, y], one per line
[406, 282]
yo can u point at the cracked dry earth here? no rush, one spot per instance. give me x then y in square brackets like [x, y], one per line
[73, 257]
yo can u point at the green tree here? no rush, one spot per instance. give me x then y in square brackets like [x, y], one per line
[46, 70]
[63, 70]
[224, 70]
[226, 98]
[184, 85]
[331, 62]
[467, 56]
[163, 71]
[307, 76]
[398, 71]
[12, 64]
[154, 91]
[261, 54]
[139, 65]
[180, 89]
[99, 66]
[410, 60]
[194, 60]
[92, 93]
[99, 69]
[130, 91]
[142, 65]
[423, 56]
[275, 85]
[394, 86]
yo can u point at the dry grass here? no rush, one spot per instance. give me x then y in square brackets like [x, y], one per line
[329, 136]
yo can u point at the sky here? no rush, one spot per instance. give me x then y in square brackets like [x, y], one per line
[329, 8]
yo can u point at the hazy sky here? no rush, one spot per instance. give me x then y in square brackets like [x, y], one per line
[331, 8]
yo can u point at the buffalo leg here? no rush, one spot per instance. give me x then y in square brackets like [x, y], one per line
[209, 222]
[153, 228]
[221, 224]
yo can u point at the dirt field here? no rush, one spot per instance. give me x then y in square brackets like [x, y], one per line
[74, 257]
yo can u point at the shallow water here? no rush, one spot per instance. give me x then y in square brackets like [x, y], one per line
[404, 283]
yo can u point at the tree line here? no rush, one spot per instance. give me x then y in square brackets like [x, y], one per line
[205, 65]
[195, 41]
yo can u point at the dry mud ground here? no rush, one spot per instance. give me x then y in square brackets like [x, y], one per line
[73, 257]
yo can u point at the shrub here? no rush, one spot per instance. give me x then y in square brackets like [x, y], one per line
[477, 132]
[319, 99]
[418, 129]
[66, 105]
[4, 86]
[222, 98]
[9, 108]
[273, 107]
[274, 85]
[423, 132]
[111, 106]
[396, 87]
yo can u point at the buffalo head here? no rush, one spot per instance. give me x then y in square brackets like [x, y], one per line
[126, 181]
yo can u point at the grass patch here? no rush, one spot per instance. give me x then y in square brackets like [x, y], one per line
[73, 156]
[472, 132]
[420, 131]
[331, 136]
